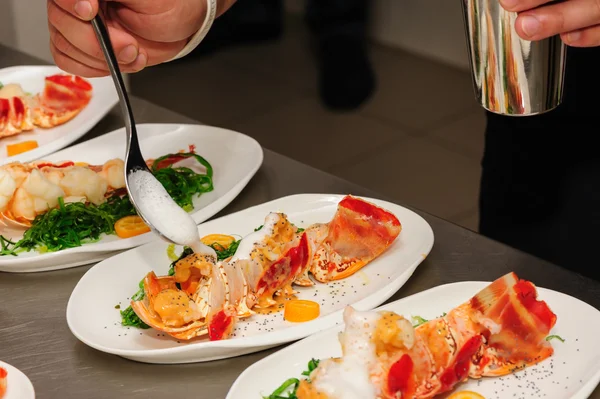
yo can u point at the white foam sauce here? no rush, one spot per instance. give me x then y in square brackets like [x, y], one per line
[157, 206]
[248, 243]
[350, 377]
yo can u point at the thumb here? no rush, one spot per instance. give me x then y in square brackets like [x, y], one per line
[82, 9]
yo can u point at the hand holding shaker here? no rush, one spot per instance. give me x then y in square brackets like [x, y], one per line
[511, 76]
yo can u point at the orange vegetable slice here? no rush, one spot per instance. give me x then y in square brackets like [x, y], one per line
[465, 395]
[18, 148]
[221, 240]
[130, 226]
[300, 310]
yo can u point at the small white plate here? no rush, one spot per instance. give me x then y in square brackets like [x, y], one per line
[93, 319]
[235, 158]
[573, 371]
[18, 385]
[31, 78]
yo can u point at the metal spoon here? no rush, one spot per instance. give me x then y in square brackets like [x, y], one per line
[135, 165]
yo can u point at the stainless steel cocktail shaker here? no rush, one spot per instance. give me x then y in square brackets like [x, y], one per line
[511, 76]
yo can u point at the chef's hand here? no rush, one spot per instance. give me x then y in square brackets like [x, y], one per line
[577, 21]
[143, 32]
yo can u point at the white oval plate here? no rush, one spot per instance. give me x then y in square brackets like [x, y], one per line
[18, 385]
[31, 78]
[92, 317]
[572, 372]
[235, 158]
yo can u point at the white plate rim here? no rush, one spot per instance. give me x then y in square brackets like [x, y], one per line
[67, 139]
[277, 337]
[584, 392]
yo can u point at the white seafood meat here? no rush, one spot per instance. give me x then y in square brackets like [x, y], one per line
[81, 181]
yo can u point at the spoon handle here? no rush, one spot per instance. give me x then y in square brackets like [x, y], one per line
[113, 66]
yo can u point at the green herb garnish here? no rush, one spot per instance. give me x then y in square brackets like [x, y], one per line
[1, 85]
[290, 386]
[128, 317]
[418, 320]
[70, 225]
[183, 183]
[312, 364]
[558, 337]
[224, 253]
[73, 224]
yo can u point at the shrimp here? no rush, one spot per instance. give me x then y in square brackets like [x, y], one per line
[113, 173]
[27, 190]
[19, 172]
[358, 233]
[82, 181]
[36, 195]
[8, 186]
[199, 306]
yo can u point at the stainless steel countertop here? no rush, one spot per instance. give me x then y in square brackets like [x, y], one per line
[35, 338]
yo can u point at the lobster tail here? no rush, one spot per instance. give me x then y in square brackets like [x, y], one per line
[515, 324]
[358, 233]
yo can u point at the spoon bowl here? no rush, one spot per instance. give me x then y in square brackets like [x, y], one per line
[148, 196]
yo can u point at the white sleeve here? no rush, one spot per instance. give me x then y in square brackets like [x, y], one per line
[211, 11]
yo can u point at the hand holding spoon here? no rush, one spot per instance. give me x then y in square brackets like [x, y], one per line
[148, 196]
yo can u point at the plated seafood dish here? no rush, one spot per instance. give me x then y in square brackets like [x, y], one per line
[49, 207]
[63, 97]
[504, 328]
[205, 294]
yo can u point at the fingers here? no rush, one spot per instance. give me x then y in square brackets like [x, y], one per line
[80, 35]
[164, 21]
[589, 37]
[161, 21]
[142, 33]
[64, 47]
[83, 9]
[521, 5]
[156, 52]
[73, 66]
[554, 19]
